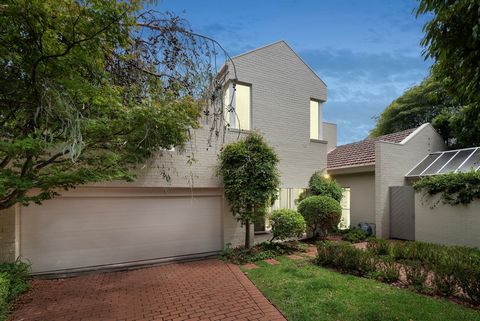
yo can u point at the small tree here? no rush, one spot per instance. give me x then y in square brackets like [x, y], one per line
[287, 223]
[320, 212]
[321, 185]
[250, 178]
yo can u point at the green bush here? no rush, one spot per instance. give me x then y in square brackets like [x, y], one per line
[4, 294]
[468, 278]
[379, 246]
[416, 274]
[262, 251]
[320, 212]
[321, 185]
[287, 223]
[353, 235]
[444, 280]
[346, 258]
[389, 270]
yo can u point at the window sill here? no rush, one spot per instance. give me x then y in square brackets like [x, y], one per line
[236, 130]
[320, 141]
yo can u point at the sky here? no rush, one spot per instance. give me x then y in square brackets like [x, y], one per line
[367, 51]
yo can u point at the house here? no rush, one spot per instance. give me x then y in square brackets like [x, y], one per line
[371, 169]
[152, 220]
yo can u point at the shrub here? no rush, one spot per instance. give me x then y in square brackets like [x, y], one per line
[354, 235]
[444, 281]
[416, 275]
[389, 270]
[320, 185]
[345, 258]
[262, 251]
[320, 212]
[468, 278]
[4, 294]
[287, 223]
[379, 246]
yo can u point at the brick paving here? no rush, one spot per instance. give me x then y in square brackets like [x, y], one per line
[200, 290]
[271, 261]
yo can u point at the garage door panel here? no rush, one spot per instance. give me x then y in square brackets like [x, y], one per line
[79, 232]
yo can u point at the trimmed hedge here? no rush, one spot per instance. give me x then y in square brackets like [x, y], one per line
[287, 223]
[320, 212]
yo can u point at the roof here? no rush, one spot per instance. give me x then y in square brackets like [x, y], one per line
[452, 161]
[363, 152]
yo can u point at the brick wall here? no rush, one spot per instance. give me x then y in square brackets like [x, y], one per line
[7, 235]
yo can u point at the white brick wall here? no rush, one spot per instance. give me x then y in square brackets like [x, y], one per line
[392, 163]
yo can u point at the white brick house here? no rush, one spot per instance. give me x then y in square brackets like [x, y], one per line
[152, 220]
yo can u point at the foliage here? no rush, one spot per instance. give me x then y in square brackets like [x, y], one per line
[92, 88]
[379, 246]
[287, 223]
[416, 275]
[345, 258]
[320, 212]
[250, 176]
[321, 185]
[307, 292]
[262, 251]
[452, 39]
[353, 235]
[389, 270]
[453, 188]
[426, 102]
[13, 281]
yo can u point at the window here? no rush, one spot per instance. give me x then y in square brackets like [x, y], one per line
[315, 119]
[287, 197]
[345, 203]
[239, 117]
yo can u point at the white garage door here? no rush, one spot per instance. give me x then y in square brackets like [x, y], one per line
[75, 232]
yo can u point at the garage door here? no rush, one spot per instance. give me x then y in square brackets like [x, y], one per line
[85, 231]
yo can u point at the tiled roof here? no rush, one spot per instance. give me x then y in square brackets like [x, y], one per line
[362, 152]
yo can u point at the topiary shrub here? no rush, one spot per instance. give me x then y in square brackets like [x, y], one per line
[353, 235]
[321, 185]
[320, 212]
[287, 223]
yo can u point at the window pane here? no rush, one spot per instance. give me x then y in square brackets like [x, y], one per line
[442, 160]
[242, 106]
[314, 119]
[472, 163]
[424, 164]
[295, 194]
[456, 161]
[284, 198]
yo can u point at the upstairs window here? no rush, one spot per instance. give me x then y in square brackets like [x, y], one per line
[239, 116]
[315, 119]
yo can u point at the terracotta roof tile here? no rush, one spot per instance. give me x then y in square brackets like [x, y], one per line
[362, 152]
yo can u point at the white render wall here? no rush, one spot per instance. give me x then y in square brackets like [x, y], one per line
[392, 162]
[446, 224]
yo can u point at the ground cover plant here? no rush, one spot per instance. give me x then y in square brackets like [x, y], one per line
[307, 292]
[262, 251]
[13, 281]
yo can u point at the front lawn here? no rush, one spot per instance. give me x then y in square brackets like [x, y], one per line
[303, 291]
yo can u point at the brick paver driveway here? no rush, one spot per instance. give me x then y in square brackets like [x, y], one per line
[201, 290]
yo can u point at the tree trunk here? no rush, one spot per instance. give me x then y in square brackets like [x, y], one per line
[247, 234]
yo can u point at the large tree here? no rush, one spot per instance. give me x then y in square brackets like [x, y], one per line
[90, 88]
[452, 39]
[426, 102]
[250, 176]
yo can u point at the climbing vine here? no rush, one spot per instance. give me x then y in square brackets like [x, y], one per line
[453, 188]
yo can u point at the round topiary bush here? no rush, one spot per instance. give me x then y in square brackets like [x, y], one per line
[320, 212]
[321, 185]
[287, 223]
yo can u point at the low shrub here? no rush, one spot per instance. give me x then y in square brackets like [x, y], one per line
[4, 294]
[379, 246]
[468, 278]
[416, 275]
[262, 251]
[444, 281]
[344, 257]
[287, 223]
[320, 212]
[389, 270]
[353, 235]
[13, 281]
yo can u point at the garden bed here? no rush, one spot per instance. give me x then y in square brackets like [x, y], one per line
[448, 271]
[262, 251]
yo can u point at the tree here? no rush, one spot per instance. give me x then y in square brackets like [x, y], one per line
[250, 176]
[426, 102]
[318, 184]
[320, 212]
[452, 39]
[91, 88]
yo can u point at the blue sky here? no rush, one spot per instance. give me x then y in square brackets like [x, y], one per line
[367, 51]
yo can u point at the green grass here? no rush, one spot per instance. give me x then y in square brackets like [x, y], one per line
[303, 292]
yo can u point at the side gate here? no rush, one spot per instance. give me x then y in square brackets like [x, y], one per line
[402, 212]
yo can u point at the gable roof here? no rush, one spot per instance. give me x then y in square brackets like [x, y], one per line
[288, 46]
[363, 152]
